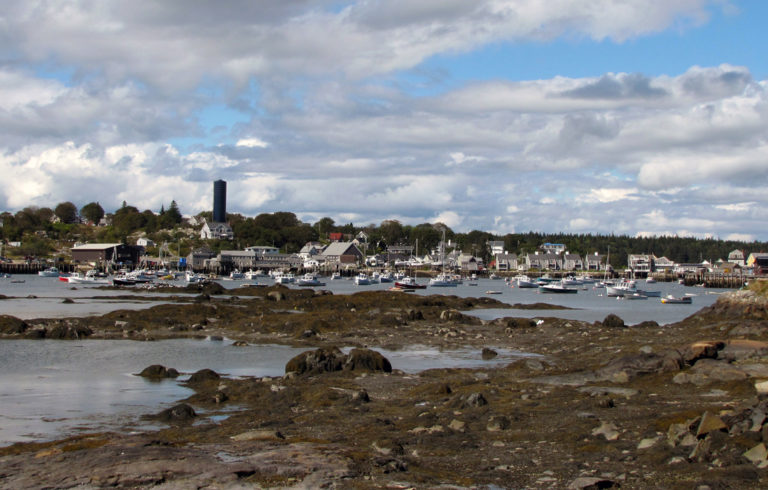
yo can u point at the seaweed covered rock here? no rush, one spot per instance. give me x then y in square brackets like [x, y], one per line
[317, 361]
[158, 371]
[332, 359]
[613, 321]
[178, 413]
[12, 325]
[367, 360]
[68, 332]
[204, 375]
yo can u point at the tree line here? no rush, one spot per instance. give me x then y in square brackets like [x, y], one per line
[38, 228]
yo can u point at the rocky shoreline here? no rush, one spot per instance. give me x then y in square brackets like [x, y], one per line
[605, 405]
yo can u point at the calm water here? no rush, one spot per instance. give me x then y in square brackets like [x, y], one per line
[591, 304]
[52, 388]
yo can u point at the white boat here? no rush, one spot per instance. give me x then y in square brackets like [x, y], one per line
[49, 272]
[672, 300]
[621, 288]
[335, 276]
[253, 274]
[362, 279]
[189, 276]
[385, 277]
[90, 277]
[525, 282]
[284, 278]
[443, 281]
[236, 275]
[650, 280]
[309, 279]
[557, 287]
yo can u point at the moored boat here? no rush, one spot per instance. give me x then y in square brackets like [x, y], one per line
[309, 279]
[443, 281]
[525, 282]
[408, 282]
[49, 272]
[362, 279]
[557, 287]
[674, 300]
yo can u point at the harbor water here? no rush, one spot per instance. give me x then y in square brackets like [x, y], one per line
[50, 389]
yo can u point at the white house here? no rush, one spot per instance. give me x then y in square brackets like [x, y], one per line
[216, 231]
[145, 242]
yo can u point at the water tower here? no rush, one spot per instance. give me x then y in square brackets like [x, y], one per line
[219, 201]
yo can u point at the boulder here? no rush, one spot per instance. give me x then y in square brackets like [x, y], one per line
[318, 361]
[488, 354]
[634, 365]
[701, 350]
[613, 321]
[179, 413]
[710, 423]
[158, 371]
[367, 360]
[203, 375]
[740, 349]
[12, 325]
[331, 359]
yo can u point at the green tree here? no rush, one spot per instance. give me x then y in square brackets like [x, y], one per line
[93, 212]
[66, 212]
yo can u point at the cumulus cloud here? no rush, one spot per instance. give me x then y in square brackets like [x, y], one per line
[108, 94]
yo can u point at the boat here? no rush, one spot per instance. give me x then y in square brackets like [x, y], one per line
[637, 295]
[443, 281]
[49, 272]
[122, 280]
[524, 282]
[335, 276]
[309, 279]
[621, 288]
[362, 279]
[674, 300]
[236, 275]
[253, 274]
[189, 276]
[556, 287]
[385, 277]
[493, 291]
[284, 278]
[90, 277]
[650, 280]
[408, 282]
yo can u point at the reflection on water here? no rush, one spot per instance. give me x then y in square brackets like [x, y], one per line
[49, 388]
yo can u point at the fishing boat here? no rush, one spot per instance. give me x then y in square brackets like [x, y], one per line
[49, 272]
[284, 278]
[674, 300]
[409, 283]
[309, 279]
[90, 277]
[362, 279]
[443, 281]
[557, 287]
[525, 282]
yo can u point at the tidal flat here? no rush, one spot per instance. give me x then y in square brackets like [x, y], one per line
[597, 404]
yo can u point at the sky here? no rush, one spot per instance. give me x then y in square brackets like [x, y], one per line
[630, 117]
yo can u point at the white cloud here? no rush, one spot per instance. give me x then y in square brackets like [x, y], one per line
[252, 143]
